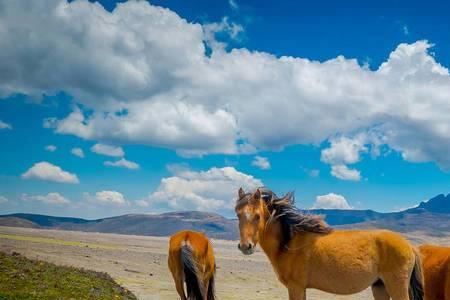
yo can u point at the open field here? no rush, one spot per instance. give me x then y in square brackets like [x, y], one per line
[140, 263]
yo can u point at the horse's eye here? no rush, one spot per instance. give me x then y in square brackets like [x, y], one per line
[257, 217]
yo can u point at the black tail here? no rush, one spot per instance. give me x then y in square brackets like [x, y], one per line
[194, 289]
[416, 282]
[211, 289]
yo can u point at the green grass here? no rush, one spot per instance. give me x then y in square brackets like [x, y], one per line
[25, 279]
[36, 239]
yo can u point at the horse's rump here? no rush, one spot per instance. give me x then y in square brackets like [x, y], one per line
[436, 271]
[191, 261]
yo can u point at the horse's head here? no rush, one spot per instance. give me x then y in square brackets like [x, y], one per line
[250, 212]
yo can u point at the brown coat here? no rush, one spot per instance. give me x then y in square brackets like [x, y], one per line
[191, 261]
[436, 270]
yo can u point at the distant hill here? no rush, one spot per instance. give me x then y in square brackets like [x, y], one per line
[432, 217]
[433, 224]
[17, 222]
[46, 221]
[439, 204]
[346, 216]
[165, 224]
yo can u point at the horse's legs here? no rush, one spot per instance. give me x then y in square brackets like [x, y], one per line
[179, 284]
[397, 287]
[205, 289]
[446, 286]
[297, 293]
[176, 269]
[379, 292]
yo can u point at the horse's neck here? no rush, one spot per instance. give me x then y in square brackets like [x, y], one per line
[269, 246]
[270, 241]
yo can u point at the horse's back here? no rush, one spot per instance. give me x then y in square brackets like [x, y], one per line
[382, 250]
[436, 269]
[384, 240]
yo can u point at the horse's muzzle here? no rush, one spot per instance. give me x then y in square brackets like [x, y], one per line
[246, 249]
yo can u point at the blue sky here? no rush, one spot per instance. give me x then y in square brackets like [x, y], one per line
[344, 103]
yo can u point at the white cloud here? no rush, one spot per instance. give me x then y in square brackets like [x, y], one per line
[122, 163]
[77, 152]
[233, 4]
[331, 201]
[188, 128]
[405, 30]
[314, 173]
[344, 150]
[50, 198]
[177, 168]
[211, 190]
[107, 150]
[261, 162]
[345, 173]
[210, 30]
[51, 148]
[47, 171]
[4, 125]
[3, 199]
[106, 197]
[347, 150]
[171, 94]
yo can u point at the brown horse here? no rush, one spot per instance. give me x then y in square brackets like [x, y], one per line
[306, 253]
[436, 271]
[191, 261]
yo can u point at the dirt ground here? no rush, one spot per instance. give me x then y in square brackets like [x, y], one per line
[140, 263]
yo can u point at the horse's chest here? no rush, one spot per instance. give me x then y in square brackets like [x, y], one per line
[289, 271]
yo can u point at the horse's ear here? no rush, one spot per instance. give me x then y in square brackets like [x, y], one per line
[241, 193]
[257, 194]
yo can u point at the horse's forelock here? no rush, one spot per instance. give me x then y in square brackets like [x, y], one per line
[242, 201]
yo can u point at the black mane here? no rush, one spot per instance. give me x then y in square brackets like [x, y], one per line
[291, 219]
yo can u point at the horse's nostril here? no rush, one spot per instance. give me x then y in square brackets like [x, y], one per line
[239, 246]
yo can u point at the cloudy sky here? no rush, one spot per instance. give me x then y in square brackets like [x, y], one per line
[135, 107]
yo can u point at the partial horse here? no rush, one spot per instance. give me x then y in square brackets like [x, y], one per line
[436, 271]
[306, 253]
[191, 261]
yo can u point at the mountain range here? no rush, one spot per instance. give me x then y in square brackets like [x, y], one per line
[431, 217]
